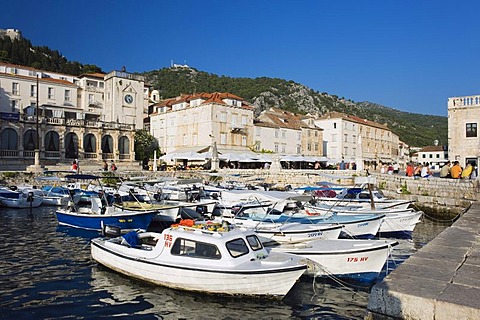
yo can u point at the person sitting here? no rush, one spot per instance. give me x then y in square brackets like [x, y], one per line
[445, 170]
[426, 173]
[467, 172]
[456, 170]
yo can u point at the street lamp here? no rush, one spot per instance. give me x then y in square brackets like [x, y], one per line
[37, 145]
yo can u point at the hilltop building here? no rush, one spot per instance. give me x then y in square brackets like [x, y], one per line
[11, 33]
[92, 116]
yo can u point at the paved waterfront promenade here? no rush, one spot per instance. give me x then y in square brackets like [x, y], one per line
[440, 281]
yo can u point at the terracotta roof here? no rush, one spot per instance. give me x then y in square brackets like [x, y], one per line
[216, 97]
[93, 75]
[431, 148]
[335, 114]
[284, 119]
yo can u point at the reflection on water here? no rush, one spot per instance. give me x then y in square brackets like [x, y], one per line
[47, 272]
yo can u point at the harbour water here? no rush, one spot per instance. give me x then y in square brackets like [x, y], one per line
[47, 273]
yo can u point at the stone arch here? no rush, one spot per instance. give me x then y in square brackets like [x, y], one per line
[107, 144]
[30, 140]
[90, 143]
[52, 141]
[124, 145]
[71, 145]
[9, 139]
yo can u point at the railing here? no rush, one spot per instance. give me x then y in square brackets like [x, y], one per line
[55, 120]
[9, 153]
[90, 155]
[28, 154]
[124, 156]
[108, 156]
[52, 154]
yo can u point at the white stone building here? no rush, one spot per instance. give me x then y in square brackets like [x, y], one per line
[283, 132]
[194, 122]
[85, 117]
[463, 120]
[356, 140]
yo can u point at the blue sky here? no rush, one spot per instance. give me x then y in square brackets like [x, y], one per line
[407, 55]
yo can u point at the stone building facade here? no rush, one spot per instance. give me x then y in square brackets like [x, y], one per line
[92, 116]
[463, 120]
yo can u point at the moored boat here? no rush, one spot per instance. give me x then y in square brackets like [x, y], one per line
[203, 259]
[361, 260]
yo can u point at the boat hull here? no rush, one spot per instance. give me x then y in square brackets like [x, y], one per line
[360, 260]
[91, 221]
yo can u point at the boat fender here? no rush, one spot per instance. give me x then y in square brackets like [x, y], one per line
[399, 190]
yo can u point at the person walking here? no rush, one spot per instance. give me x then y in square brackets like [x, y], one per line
[105, 165]
[113, 167]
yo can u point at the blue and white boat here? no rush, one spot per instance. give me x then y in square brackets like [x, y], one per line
[358, 226]
[359, 260]
[100, 214]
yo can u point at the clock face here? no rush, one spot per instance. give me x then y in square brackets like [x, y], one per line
[128, 98]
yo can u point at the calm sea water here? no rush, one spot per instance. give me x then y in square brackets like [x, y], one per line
[46, 272]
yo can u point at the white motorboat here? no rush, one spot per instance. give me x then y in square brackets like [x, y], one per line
[208, 258]
[290, 232]
[361, 260]
[397, 223]
[20, 197]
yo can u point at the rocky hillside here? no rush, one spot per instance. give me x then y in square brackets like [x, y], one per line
[414, 129]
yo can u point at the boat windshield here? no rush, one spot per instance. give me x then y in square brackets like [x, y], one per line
[254, 242]
[237, 247]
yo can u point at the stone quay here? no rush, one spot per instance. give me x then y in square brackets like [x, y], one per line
[439, 282]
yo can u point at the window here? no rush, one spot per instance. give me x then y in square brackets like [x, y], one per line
[345, 137]
[15, 106]
[15, 88]
[471, 130]
[33, 90]
[91, 98]
[334, 138]
[334, 125]
[430, 155]
[244, 120]
[195, 139]
[67, 95]
[223, 138]
[276, 133]
[244, 140]
[223, 116]
[284, 147]
[194, 249]
[299, 136]
[315, 146]
[424, 156]
[309, 146]
[299, 149]
[51, 93]
[257, 131]
[254, 243]
[284, 134]
[237, 248]
[184, 139]
[276, 148]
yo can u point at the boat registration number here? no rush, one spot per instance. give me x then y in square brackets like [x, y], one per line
[168, 240]
[357, 259]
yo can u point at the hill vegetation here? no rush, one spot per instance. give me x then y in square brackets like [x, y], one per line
[414, 129]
